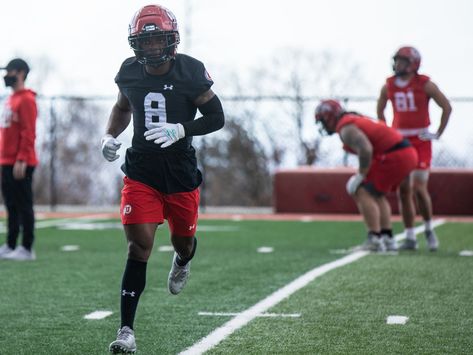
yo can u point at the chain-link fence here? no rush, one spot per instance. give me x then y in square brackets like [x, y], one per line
[262, 134]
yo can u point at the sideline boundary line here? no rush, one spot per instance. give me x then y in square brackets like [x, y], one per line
[222, 332]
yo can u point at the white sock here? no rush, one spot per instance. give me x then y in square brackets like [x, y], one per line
[410, 234]
[428, 225]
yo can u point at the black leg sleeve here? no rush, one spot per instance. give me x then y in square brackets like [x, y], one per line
[133, 284]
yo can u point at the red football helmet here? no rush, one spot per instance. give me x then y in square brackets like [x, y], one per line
[412, 55]
[153, 23]
[327, 114]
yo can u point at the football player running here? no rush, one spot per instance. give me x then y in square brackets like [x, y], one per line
[162, 90]
[409, 93]
[385, 159]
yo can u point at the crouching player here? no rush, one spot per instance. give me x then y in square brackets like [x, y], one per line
[385, 160]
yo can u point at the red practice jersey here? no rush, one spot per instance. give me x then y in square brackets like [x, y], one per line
[381, 137]
[410, 102]
[392, 160]
[18, 129]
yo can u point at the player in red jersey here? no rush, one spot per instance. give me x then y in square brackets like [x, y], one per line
[385, 159]
[162, 90]
[409, 93]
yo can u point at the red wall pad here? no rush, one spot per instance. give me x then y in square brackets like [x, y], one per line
[317, 190]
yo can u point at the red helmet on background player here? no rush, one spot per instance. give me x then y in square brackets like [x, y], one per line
[153, 23]
[412, 56]
[327, 114]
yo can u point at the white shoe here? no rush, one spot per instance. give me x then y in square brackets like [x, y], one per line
[20, 254]
[390, 243]
[178, 276]
[4, 250]
[374, 243]
[432, 240]
[409, 244]
[125, 343]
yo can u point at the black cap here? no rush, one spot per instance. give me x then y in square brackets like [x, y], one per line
[17, 64]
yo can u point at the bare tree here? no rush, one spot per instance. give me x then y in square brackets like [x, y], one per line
[236, 164]
[283, 93]
[70, 170]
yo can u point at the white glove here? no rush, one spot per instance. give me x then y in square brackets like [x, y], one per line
[165, 133]
[109, 147]
[428, 136]
[353, 183]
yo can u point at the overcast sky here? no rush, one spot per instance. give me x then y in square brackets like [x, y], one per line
[86, 41]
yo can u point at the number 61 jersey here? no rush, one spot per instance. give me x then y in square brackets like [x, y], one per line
[163, 98]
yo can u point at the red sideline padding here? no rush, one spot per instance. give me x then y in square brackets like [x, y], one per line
[317, 190]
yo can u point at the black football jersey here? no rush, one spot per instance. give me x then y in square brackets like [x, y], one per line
[163, 98]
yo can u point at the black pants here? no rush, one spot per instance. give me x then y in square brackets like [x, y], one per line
[18, 198]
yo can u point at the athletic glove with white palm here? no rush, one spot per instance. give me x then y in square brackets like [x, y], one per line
[110, 147]
[165, 133]
[354, 182]
[428, 136]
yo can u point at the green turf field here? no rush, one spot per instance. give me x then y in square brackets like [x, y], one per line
[43, 303]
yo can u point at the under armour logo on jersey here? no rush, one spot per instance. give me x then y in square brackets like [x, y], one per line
[132, 293]
[192, 227]
[168, 87]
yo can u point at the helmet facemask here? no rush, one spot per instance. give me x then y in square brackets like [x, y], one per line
[406, 66]
[154, 47]
[323, 127]
[412, 58]
[327, 114]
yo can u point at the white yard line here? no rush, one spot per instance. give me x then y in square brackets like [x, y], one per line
[251, 313]
[70, 248]
[60, 222]
[397, 320]
[88, 222]
[466, 253]
[98, 315]
[47, 223]
[270, 315]
[265, 250]
[166, 248]
[243, 318]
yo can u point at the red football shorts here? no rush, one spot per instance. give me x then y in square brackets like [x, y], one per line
[424, 152]
[143, 204]
[387, 171]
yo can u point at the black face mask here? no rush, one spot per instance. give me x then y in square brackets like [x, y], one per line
[10, 80]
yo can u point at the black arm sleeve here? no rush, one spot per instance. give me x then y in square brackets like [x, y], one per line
[212, 120]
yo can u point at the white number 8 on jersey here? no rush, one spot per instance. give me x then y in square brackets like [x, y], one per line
[159, 109]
